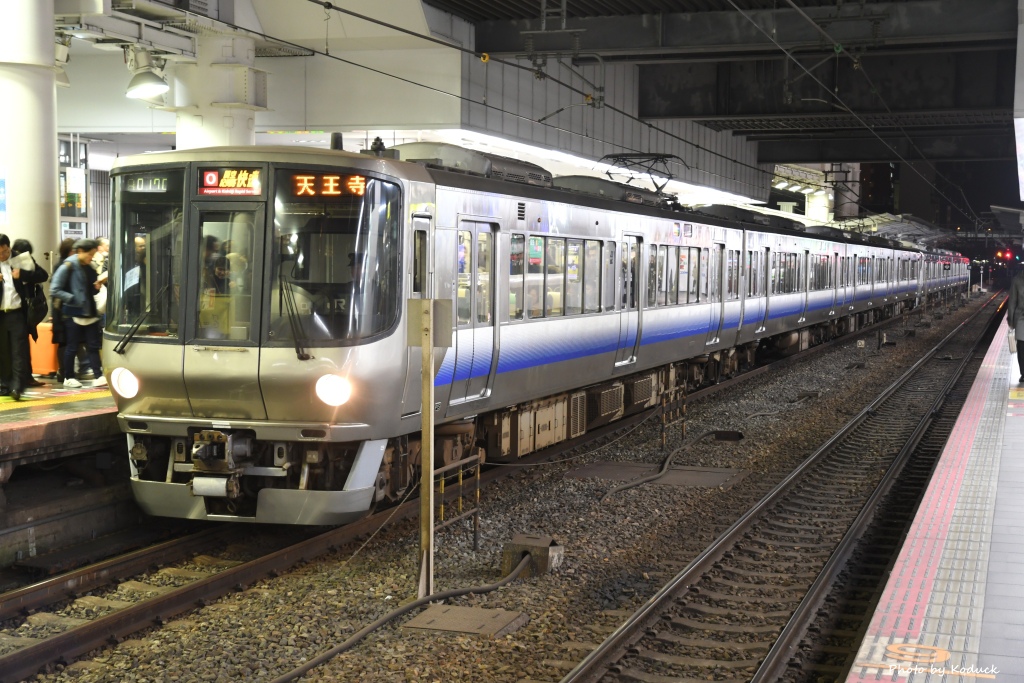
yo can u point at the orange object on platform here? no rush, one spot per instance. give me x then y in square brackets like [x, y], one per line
[44, 351]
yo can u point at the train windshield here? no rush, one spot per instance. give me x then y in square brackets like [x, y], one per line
[144, 287]
[335, 258]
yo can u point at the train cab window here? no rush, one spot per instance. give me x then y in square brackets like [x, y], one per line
[516, 272]
[554, 277]
[335, 263]
[147, 246]
[535, 277]
[484, 270]
[225, 281]
[592, 277]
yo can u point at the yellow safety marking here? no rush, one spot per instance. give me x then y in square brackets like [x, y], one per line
[8, 403]
[1017, 393]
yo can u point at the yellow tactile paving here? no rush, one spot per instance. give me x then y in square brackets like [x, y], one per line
[8, 403]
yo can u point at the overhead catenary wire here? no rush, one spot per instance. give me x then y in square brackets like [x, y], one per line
[857, 116]
[487, 58]
[859, 66]
[500, 110]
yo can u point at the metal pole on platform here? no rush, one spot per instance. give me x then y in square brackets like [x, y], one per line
[427, 450]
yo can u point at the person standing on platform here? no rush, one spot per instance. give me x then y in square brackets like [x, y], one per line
[74, 284]
[33, 302]
[15, 282]
[59, 330]
[1015, 318]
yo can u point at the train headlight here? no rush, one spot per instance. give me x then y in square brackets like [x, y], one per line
[333, 390]
[124, 382]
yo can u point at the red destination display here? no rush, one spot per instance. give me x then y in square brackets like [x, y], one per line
[232, 182]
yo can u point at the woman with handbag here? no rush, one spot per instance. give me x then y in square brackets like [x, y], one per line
[35, 303]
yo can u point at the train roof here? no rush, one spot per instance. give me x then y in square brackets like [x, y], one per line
[455, 166]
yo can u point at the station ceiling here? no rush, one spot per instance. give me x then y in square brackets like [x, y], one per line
[863, 80]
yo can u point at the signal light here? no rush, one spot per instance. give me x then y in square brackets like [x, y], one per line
[999, 254]
[1007, 255]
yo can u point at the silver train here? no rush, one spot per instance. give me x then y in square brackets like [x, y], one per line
[255, 337]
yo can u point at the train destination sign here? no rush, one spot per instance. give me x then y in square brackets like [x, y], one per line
[327, 185]
[233, 182]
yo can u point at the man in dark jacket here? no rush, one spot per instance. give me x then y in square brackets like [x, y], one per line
[1015, 318]
[74, 284]
[15, 294]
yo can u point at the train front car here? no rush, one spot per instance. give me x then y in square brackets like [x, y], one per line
[249, 341]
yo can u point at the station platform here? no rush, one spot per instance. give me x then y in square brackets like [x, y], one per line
[51, 421]
[953, 608]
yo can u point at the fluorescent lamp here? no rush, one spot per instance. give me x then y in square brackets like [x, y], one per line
[781, 185]
[818, 193]
[795, 187]
[807, 190]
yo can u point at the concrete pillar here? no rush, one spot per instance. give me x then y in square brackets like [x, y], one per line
[28, 125]
[217, 97]
[848, 193]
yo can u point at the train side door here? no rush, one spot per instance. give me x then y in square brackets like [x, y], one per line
[222, 358]
[715, 298]
[419, 286]
[803, 272]
[834, 282]
[475, 356]
[770, 265]
[629, 316]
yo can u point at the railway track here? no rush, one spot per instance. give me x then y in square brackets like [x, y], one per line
[129, 596]
[740, 611]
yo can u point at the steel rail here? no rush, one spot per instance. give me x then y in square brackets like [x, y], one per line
[778, 657]
[599, 658]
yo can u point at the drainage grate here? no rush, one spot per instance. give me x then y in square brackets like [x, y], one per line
[475, 620]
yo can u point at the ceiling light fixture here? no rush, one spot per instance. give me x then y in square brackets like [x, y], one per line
[146, 82]
[807, 190]
[795, 187]
[781, 185]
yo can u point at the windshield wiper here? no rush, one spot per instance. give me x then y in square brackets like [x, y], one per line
[122, 343]
[288, 293]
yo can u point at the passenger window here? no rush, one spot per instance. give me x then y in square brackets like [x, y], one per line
[464, 294]
[225, 291]
[696, 268]
[608, 278]
[662, 256]
[592, 277]
[516, 270]
[652, 276]
[574, 278]
[732, 275]
[554, 278]
[683, 266]
[671, 271]
[535, 277]
[483, 277]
